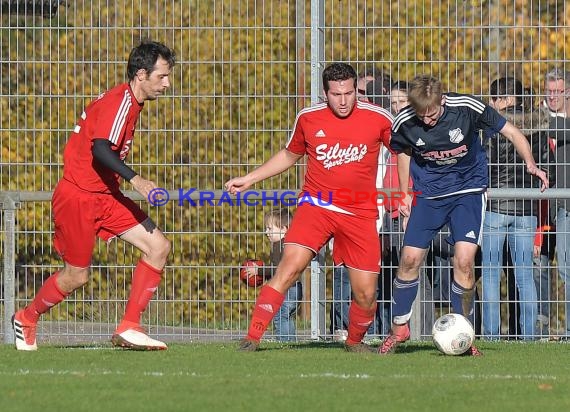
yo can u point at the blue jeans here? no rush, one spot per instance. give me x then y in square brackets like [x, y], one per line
[341, 298]
[519, 232]
[442, 275]
[563, 257]
[541, 272]
[284, 320]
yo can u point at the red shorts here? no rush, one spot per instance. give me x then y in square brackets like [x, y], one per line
[80, 216]
[356, 241]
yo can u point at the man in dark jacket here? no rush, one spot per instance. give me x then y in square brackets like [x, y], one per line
[557, 91]
[512, 219]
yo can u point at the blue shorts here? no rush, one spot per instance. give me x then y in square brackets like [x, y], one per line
[463, 213]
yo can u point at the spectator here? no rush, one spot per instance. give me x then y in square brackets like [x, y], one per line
[365, 83]
[528, 100]
[557, 91]
[399, 96]
[378, 89]
[513, 220]
[545, 239]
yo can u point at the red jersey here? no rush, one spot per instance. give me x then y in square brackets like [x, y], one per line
[113, 116]
[342, 155]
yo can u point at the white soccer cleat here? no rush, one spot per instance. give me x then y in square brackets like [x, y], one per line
[340, 335]
[137, 340]
[24, 332]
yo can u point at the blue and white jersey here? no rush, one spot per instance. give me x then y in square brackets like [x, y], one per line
[448, 158]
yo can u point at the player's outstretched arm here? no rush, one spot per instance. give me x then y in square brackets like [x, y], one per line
[280, 162]
[511, 132]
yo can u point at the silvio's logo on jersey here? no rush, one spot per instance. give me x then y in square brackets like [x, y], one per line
[336, 155]
[455, 135]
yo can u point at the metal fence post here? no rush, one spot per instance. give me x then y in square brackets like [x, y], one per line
[318, 297]
[8, 206]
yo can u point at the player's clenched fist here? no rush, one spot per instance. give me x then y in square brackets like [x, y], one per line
[238, 184]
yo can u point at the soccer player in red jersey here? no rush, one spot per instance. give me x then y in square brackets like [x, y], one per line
[342, 139]
[87, 201]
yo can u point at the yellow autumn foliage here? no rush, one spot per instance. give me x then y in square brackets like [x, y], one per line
[236, 90]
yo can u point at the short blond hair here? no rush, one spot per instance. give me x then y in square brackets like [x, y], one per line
[424, 92]
[279, 217]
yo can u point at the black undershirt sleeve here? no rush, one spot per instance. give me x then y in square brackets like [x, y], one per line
[104, 155]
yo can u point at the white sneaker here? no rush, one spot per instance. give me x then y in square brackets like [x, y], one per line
[24, 332]
[340, 335]
[137, 340]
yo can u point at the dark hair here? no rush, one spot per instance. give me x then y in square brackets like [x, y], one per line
[336, 72]
[528, 100]
[371, 71]
[145, 55]
[379, 89]
[507, 86]
[400, 85]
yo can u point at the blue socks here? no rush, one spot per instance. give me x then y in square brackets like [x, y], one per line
[404, 293]
[462, 301]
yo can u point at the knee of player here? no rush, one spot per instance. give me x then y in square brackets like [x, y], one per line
[365, 298]
[166, 246]
[464, 268]
[161, 247]
[409, 264]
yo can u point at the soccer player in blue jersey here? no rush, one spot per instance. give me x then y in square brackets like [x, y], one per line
[437, 138]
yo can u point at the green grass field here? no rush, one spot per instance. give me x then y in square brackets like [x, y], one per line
[298, 377]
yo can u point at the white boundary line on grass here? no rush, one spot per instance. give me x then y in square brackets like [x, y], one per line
[98, 372]
[336, 375]
[325, 375]
[441, 376]
[482, 377]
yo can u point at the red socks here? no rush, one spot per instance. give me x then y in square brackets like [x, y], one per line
[145, 282]
[359, 320]
[268, 303]
[49, 295]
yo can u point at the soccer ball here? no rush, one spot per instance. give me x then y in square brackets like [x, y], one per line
[453, 334]
[253, 280]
